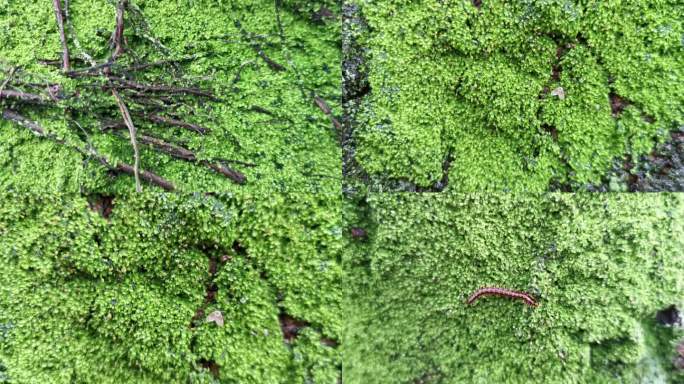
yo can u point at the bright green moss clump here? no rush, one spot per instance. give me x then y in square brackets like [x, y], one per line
[523, 95]
[90, 299]
[264, 117]
[600, 266]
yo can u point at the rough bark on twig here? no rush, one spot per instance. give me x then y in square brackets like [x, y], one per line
[10, 115]
[59, 15]
[230, 173]
[132, 132]
[117, 38]
[23, 96]
[185, 154]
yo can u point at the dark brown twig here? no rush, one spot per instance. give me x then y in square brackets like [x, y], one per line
[117, 37]
[168, 148]
[11, 115]
[129, 84]
[94, 70]
[323, 106]
[185, 154]
[270, 62]
[230, 173]
[62, 36]
[29, 97]
[177, 123]
[150, 177]
[259, 51]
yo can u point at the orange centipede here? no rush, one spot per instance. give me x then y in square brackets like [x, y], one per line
[494, 291]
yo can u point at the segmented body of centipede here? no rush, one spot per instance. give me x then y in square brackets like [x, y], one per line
[493, 291]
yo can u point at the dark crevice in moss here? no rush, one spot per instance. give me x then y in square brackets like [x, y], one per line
[431, 377]
[210, 365]
[660, 171]
[617, 103]
[443, 183]
[669, 316]
[358, 234]
[102, 204]
[290, 326]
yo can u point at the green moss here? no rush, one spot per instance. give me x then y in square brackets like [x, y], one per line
[295, 149]
[600, 266]
[123, 299]
[449, 78]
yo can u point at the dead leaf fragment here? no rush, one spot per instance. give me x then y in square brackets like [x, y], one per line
[560, 92]
[215, 317]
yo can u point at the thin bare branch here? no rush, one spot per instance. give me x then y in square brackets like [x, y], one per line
[11, 115]
[177, 123]
[117, 37]
[29, 97]
[168, 148]
[74, 37]
[228, 172]
[34, 127]
[185, 154]
[129, 84]
[132, 132]
[59, 15]
[271, 63]
[150, 177]
[90, 71]
[7, 79]
[323, 106]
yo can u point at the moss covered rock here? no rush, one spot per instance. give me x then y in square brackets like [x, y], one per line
[520, 96]
[95, 292]
[599, 266]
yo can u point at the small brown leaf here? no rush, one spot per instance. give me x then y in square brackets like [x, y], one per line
[216, 317]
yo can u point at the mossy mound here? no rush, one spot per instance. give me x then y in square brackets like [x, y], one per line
[100, 293]
[264, 121]
[521, 96]
[599, 266]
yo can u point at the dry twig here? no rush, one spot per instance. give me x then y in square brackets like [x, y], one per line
[117, 37]
[34, 127]
[132, 132]
[323, 106]
[59, 15]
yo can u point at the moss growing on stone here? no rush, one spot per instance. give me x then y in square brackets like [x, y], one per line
[600, 267]
[523, 96]
[98, 293]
